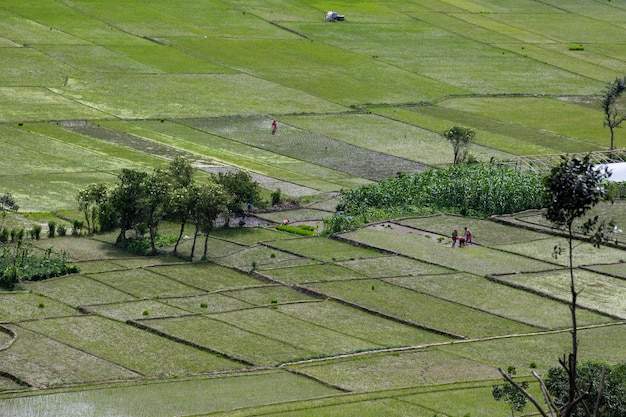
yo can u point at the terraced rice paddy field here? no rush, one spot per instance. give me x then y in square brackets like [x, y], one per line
[387, 319]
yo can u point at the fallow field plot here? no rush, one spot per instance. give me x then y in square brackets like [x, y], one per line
[379, 134]
[416, 244]
[143, 283]
[39, 361]
[360, 324]
[18, 104]
[260, 256]
[135, 310]
[386, 371]
[484, 232]
[249, 346]
[76, 290]
[187, 95]
[21, 306]
[501, 300]
[603, 343]
[600, 293]
[312, 273]
[195, 136]
[310, 146]
[572, 121]
[183, 396]
[394, 266]
[143, 352]
[325, 249]
[269, 295]
[294, 331]
[430, 312]
[207, 276]
[584, 253]
[206, 304]
[351, 79]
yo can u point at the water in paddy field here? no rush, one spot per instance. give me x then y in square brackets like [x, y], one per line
[150, 400]
[170, 398]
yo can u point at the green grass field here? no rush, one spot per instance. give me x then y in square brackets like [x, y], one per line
[387, 319]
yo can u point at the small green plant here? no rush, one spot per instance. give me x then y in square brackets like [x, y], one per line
[61, 230]
[146, 313]
[37, 231]
[77, 227]
[276, 197]
[4, 236]
[273, 255]
[41, 305]
[533, 365]
[274, 301]
[204, 305]
[52, 228]
[576, 48]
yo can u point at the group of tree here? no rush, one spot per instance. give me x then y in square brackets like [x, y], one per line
[139, 201]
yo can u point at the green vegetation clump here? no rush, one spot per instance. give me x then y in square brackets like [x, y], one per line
[18, 264]
[469, 189]
[302, 229]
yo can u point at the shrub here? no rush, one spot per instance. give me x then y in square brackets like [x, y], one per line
[37, 231]
[276, 197]
[18, 264]
[77, 227]
[52, 227]
[62, 230]
[4, 235]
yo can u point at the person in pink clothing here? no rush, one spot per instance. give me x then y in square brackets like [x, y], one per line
[274, 127]
[468, 236]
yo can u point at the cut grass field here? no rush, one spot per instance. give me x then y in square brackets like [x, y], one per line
[275, 324]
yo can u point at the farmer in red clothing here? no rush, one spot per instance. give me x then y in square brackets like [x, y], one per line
[274, 127]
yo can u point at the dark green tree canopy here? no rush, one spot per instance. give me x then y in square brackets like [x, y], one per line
[572, 189]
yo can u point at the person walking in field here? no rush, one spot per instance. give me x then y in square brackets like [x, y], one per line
[455, 235]
[468, 236]
[274, 127]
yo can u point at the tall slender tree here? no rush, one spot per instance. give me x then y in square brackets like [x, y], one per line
[614, 109]
[460, 138]
[572, 188]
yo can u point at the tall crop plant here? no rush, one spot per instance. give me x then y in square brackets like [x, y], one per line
[478, 189]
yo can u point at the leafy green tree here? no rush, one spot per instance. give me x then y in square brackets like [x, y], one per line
[89, 200]
[181, 208]
[240, 185]
[511, 396]
[460, 138]
[572, 188]
[590, 374]
[211, 200]
[182, 194]
[154, 203]
[181, 172]
[614, 108]
[7, 203]
[126, 200]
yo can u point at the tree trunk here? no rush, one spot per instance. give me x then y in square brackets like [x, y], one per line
[193, 246]
[180, 236]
